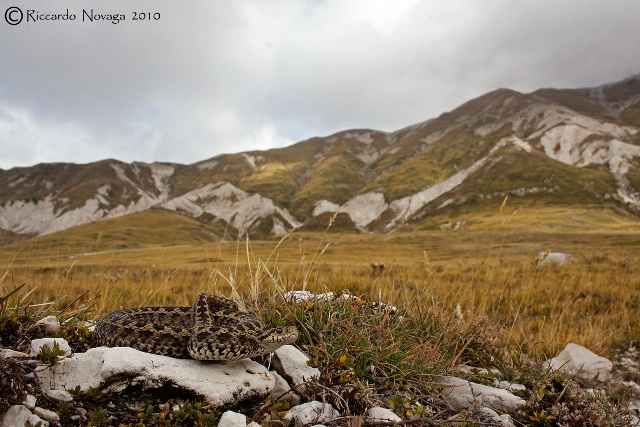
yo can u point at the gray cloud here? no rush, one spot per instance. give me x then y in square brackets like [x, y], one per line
[228, 76]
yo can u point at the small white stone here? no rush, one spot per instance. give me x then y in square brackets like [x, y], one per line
[311, 412]
[29, 402]
[507, 421]
[554, 258]
[232, 419]
[46, 414]
[291, 363]
[5, 352]
[59, 395]
[63, 345]
[464, 394]
[581, 362]
[82, 413]
[253, 424]
[18, 415]
[507, 385]
[504, 420]
[381, 414]
[283, 392]
[50, 324]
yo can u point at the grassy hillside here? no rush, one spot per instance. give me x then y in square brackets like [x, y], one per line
[154, 227]
[280, 174]
[577, 101]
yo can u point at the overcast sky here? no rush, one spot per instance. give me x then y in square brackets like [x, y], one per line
[224, 76]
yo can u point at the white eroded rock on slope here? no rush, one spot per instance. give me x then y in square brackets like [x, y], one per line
[366, 208]
[53, 213]
[226, 201]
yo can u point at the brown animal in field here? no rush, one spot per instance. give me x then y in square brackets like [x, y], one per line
[377, 268]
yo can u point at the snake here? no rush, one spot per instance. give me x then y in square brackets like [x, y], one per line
[214, 328]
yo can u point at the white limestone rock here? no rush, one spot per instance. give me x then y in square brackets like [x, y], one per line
[46, 414]
[232, 419]
[378, 413]
[63, 345]
[507, 385]
[581, 362]
[485, 415]
[301, 296]
[282, 391]
[82, 413]
[291, 363]
[492, 416]
[554, 258]
[29, 402]
[18, 415]
[50, 325]
[311, 413]
[5, 352]
[465, 394]
[59, 395]
[467, 370]
[116, 369]
[507, 421]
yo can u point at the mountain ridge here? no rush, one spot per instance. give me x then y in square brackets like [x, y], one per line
[577, 146]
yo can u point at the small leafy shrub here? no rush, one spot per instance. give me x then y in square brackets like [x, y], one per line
[273, 411]
[50, 355]
[184, 414]
[78, 335]
[65, 408]
[97, 418]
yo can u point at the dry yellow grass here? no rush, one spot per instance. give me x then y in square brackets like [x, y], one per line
[594, 301]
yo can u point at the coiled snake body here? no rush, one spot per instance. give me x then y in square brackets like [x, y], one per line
[213, 329]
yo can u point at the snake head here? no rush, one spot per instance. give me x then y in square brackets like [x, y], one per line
[275, 338]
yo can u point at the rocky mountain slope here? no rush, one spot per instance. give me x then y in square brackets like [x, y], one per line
[578, 147]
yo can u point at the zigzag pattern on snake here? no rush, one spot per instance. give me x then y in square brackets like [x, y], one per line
[213, 329]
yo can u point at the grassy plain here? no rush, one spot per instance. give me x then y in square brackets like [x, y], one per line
[486, 270]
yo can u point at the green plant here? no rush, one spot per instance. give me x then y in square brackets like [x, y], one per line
[50, 355]
[97, 417]
[76, 392]
[64, 408]
[151, 418]
[180, 414]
